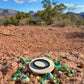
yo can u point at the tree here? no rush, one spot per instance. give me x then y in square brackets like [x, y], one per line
[14, 20]
[19, 16]
[51, 9]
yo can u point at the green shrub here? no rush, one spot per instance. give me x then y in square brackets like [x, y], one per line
[7, 22]
[33, 22]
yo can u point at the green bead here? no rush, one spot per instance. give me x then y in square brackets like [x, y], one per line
[41, 80]
[45, 76]
[61, 59]
[60, 72]
[48, 57]
[72, 71]
[58, 62]
[12, 79]
[55, 81]
[58, 65]
[66, 68]
[44, 82]
[54, 60]
[19, 68]
[31, 76]
[23, 67]
[55, 75]
[60, 69]
[69, 75]
[18, 71]
[23, 60]
[16, 74]
[37, 77]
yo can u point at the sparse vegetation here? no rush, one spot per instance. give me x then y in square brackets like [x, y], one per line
[51, 15]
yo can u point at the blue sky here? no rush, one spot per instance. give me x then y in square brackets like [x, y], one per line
[35, 5]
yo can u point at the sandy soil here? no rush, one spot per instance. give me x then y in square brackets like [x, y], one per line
[33, 41]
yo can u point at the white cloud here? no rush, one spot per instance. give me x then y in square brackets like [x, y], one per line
[76, 6]
[5, 0]
[22, 1]
[71, 5]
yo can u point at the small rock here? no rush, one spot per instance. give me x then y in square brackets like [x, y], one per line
[24, 79]
[27, 73]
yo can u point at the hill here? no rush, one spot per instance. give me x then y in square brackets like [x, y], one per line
[82, 14]
[8, 11]
[74, 15]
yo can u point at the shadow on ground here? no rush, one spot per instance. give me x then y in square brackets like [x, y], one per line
[75, 35]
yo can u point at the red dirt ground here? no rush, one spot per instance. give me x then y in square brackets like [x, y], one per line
[28, 41]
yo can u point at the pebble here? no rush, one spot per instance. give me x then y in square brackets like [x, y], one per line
[27, 73]
[24, 79]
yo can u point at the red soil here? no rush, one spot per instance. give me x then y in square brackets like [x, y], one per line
[34, 41]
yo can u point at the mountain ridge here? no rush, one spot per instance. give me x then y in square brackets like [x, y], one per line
[8, 11]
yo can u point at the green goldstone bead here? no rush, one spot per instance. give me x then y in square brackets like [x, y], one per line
[69, 75]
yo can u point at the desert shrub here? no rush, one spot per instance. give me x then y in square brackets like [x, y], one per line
[33, 22]
[24, 21]
[63, 22]
[80, 22]
[7, 22]
[14, 21]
